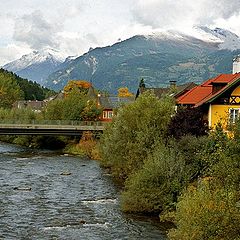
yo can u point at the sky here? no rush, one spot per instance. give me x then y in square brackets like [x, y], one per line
[74, 26]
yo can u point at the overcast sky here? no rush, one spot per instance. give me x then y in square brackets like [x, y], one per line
[73, 26]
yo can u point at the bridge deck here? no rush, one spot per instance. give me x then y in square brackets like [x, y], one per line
[49, 129]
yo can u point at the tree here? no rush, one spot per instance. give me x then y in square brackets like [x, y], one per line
[187, 121]
[137, 127]
[29, 90]
[156, 186]
[81, 85]
[124, 92]
[9, 90]
[76, 106]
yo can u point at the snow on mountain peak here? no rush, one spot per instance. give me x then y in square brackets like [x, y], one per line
[225, 38]
[165, 35]
[35, 57]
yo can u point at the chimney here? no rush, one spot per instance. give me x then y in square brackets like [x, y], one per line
[236, 65]
[172, 84]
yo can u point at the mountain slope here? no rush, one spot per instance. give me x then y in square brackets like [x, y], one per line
[37, 65]
[158, 58]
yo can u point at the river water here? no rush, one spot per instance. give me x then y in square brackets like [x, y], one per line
[37, 202]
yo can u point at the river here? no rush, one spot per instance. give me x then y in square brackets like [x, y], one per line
[37, 202]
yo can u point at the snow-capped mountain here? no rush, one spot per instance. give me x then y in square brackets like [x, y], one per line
[224, 38]
[37, 65]
[158, 58]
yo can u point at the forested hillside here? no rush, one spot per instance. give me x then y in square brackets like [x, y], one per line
[13, 88]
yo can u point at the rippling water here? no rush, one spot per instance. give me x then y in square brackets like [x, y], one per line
[37, 202]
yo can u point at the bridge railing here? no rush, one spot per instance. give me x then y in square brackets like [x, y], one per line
[52, 122]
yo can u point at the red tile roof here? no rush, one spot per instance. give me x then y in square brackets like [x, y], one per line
[203, 93]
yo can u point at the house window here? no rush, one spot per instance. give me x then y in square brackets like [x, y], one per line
[233, 115]
[105, 114]
[110, 114]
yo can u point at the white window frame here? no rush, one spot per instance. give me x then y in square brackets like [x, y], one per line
[233, 115]
[110, 114]
[105, 114]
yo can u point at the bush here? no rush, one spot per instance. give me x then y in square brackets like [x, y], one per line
[209, 211]
[87, 146]
[157, 185]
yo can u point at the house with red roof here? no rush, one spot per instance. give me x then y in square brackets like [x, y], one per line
[219, 99]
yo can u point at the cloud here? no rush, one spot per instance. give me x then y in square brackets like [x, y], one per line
[11, 52]
[74, 26]
[33, 29]
[174, 14]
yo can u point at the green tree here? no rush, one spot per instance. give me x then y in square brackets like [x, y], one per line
[29, 90]
[134, 132]
[75, 106]
[9, 90]
[156, 186]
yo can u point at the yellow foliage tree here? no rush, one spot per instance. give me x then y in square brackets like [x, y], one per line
[82, 85]
[124, 92]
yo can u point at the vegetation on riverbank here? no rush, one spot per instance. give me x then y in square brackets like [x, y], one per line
[87, 146]
[179, 170]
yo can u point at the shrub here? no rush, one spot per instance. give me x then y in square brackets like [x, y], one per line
[209, 211]
[157, 185]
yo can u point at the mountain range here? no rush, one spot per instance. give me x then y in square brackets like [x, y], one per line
[158, 58]
[37, 65]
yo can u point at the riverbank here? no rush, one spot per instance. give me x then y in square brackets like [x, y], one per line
[86, 146]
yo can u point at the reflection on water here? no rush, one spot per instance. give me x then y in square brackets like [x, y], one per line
[37, 202]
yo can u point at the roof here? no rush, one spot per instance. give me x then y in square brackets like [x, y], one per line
[180, 89]
[114, 102]
[91, 93]
[204, 93]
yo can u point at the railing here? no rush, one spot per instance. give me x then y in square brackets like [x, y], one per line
[52, 122]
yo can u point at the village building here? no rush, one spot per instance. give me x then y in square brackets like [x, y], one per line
[173, 89]
[110, 104]
[35, 105]
[218, 98]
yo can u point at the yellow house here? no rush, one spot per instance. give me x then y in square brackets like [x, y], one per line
[219, 99]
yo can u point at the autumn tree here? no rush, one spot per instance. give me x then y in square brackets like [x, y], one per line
[124, 92]
[81, 85]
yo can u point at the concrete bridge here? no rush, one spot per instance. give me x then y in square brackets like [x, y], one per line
[56, 127]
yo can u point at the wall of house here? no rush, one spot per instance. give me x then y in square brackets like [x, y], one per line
[107, 115]
[220, 113]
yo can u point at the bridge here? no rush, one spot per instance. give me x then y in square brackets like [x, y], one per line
[53, 127]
